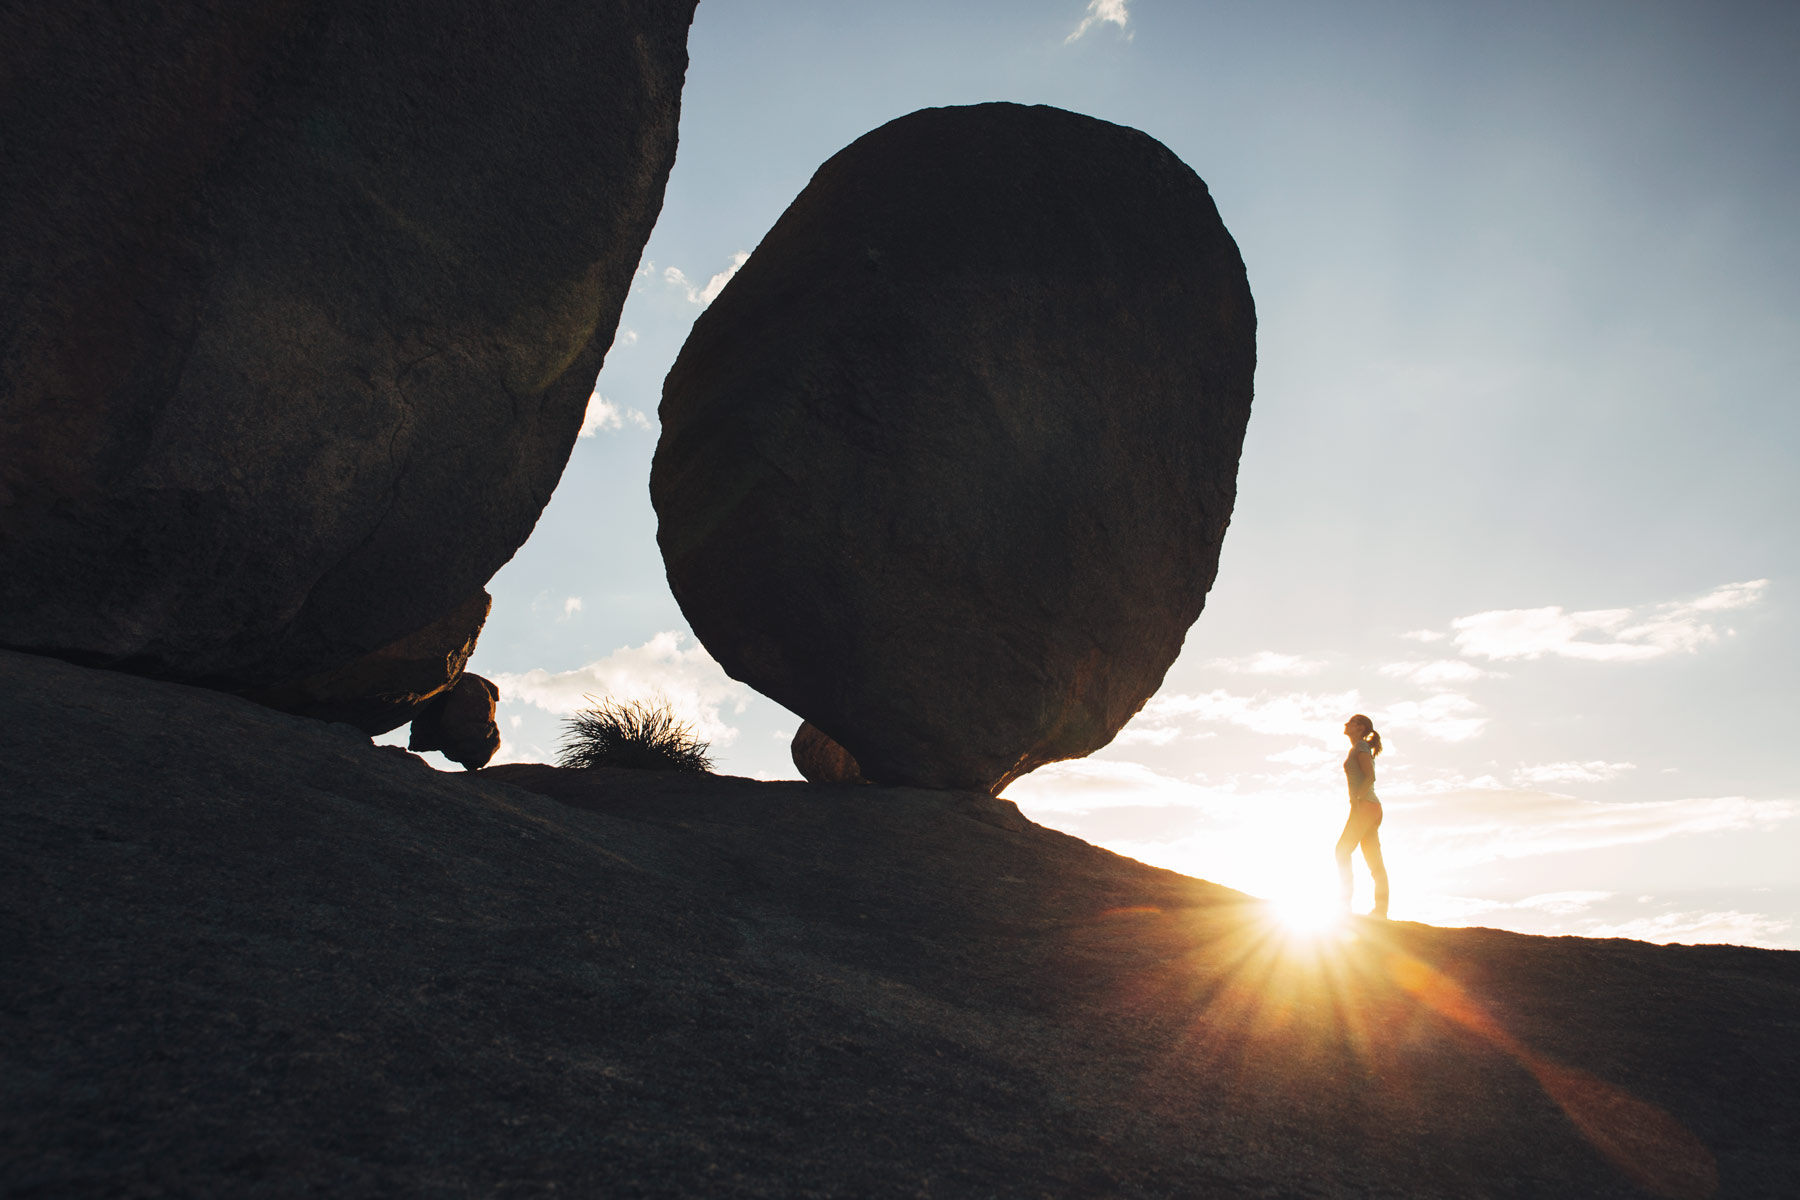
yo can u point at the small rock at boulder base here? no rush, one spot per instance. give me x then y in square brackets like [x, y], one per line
[459, 723]
[946, 467]
[301, 306]
[821, 760]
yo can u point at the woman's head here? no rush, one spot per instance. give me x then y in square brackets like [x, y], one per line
[1360, 729]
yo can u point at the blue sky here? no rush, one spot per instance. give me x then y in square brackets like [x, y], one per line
[1519, 476]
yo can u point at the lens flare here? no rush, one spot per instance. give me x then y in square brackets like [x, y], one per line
[1307, 912]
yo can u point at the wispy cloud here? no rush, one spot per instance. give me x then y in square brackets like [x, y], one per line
[1574, 913]
[1698, 928]
[1100, 12]
[1483, 824]
[1603, 635]
[571, 606]
[1439, 672]
[1570, 772]
[1562, 904]
[1268, 662]
[715, 285]
[1136, 734]
[604, 414]
[1305, 714]
[1443, 717]
[696, 687]
[1304, 755]
[1466, 910]
[1088, 785]
[1425, 635]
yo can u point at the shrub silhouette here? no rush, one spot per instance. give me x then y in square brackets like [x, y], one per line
[639, 734]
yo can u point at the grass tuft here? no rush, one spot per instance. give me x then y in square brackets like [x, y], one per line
[643, 735]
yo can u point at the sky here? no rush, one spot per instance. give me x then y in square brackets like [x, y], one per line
[1519, 476]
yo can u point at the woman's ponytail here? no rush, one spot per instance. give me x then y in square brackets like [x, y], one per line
[1372, 738]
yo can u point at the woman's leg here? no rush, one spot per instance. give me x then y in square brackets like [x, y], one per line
[1371, 848]
[1353, 833]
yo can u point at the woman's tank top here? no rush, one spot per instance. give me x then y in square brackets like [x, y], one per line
[1368, 765]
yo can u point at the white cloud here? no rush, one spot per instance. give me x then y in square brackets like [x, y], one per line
[1474, 910]
[1482, 824]
[1562, 904]
[1100, 12]
[1267, 662]
[1398, 782]
[1425, 635]
[1438, 672]
[1445, 717]
[1304, 755]
[696, 687]
[1147, 735]
[1085, 785]
[1602, 635]
[604, 414]
[1696, 928]
[571, 606]
[627, 337]
[1571, 772]
[715, 285]
[1730, 596]
[1573, 913]
[1304, 714]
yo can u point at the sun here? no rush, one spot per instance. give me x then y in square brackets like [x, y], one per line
[1303, 904]
[1307, 912]
[1268, 859]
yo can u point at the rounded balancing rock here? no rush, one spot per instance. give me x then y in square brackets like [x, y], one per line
[946, 467]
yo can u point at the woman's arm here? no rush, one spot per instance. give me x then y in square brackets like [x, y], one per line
[1360, 774]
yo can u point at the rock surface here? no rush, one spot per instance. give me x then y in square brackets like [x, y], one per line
[821, 760]
[301, 304]
[945, 468]
[247, 954]
[459, 723]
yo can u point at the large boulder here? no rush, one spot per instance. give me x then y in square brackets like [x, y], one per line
[946, 467]
[300, 308]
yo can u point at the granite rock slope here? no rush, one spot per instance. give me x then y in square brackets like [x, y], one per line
[946, 466]
[301, 304]
[248, 954]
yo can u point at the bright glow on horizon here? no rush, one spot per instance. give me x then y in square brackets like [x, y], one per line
[1307, 913]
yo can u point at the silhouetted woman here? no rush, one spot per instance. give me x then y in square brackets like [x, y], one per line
[1364, 826]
